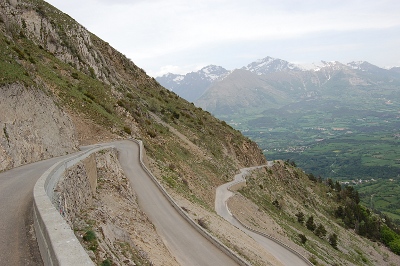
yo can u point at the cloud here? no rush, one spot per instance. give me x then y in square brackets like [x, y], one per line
[175, 69]
[153, 30]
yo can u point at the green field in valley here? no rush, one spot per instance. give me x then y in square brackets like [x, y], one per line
[341, 143]
[382, 195]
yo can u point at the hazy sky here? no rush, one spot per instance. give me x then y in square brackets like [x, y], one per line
[180, 36]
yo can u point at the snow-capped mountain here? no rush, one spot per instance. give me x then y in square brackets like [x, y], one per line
[171, 81]
[262, 85]
[273, 82]
[327, 66]
[366, 67]
[213, 72]
[192, 85]
[270, 65]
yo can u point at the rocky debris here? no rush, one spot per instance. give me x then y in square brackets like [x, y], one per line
[123, 234]
[33, 127]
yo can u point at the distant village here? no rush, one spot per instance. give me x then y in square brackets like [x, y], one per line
[359, 181]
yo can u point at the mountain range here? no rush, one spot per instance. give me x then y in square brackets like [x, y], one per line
[273, 83]
[62, 87]
[192, 85]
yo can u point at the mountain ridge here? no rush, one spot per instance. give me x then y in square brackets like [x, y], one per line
[192, 85]
[93, 93]
[318, 74]
[106, 96]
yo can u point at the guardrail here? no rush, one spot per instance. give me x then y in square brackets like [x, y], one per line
[58, 244]
[298, 254]
[201, 230]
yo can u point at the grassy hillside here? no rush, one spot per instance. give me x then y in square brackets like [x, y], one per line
[189, 150]
[107, 94]
[322, 217]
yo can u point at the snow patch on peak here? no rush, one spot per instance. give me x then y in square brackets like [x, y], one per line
[212, 72]
[269, 65]
[332, 65]
[356, 64]
[178, 78]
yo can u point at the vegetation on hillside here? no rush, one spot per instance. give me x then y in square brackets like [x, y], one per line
[320, 215]
[333, 141]
[47, 49]
[382, 196]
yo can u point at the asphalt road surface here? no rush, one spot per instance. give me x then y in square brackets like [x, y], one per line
[18, 245]
[281, 253]
[188, 245]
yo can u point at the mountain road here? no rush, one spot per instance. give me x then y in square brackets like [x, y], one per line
[186, 243]
[280, 252]
[18, 245]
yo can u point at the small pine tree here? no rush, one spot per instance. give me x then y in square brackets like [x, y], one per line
[310, 223]
[303, 238]
[276, 204]
[333, 240]
[300, 217]
[320, 231]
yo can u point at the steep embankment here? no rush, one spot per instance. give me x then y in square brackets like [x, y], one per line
[98, 202]
[273, 200]
[68, 69]
[108, 96]
[33, 127]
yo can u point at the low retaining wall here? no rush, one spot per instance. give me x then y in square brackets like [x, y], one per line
[57, 243]
[298, 254]
[207, 235]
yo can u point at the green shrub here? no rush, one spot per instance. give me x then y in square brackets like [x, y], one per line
[106, 262]
[89, 236]
[320, 231]
[388, 235]
[75, 75]
[303, 238]
[152, 134]
[395, 246]
[300, 217]
[310, 224]
[90, 96]
[333, 240]
[127, 130]
[92, 74]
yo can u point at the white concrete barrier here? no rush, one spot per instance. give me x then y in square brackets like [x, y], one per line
[58, 244]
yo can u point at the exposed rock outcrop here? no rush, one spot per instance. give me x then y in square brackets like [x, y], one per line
[33, 127]
[67, 40]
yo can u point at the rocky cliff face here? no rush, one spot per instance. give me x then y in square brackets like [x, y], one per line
[32, 127]
[69, 42]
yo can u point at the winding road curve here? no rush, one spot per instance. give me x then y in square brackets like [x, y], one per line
[280, 252]
[18, 246]
[186, 243]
